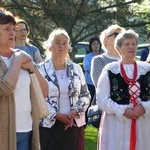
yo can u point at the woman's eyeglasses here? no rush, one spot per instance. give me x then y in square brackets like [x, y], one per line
[21, 30]
[115, 34]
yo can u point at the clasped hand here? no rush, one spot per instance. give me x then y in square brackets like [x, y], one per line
[68, 120]
[24, 59]
[134, 113]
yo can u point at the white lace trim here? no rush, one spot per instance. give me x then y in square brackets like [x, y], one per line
[143, 67]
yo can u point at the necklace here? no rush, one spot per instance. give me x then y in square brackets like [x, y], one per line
[128, 80]
[61, 73]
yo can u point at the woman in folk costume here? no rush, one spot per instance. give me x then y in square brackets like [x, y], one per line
[123, 93]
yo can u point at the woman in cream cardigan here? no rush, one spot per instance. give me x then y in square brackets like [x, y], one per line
[18, 126]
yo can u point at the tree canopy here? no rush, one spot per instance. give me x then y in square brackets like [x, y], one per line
[82, 19]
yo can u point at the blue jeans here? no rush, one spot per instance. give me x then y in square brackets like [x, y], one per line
[24, 140]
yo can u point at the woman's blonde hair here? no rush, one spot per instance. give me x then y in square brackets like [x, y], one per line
[48, 43]
[110, 30]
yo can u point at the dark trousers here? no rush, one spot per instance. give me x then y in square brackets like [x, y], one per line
[56, 138]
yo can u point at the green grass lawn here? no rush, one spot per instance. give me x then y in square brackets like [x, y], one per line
[91, 138]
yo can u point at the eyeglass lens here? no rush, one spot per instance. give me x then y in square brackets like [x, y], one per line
[115, 34]
[21, 30]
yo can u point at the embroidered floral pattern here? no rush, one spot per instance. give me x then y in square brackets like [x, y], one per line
[117, 93]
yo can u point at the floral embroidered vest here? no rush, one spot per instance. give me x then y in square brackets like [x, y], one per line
[119, 91]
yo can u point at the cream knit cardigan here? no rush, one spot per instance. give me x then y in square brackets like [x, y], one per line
[7, 114]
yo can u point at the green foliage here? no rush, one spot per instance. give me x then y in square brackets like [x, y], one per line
[82, 19]
[91, 136]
